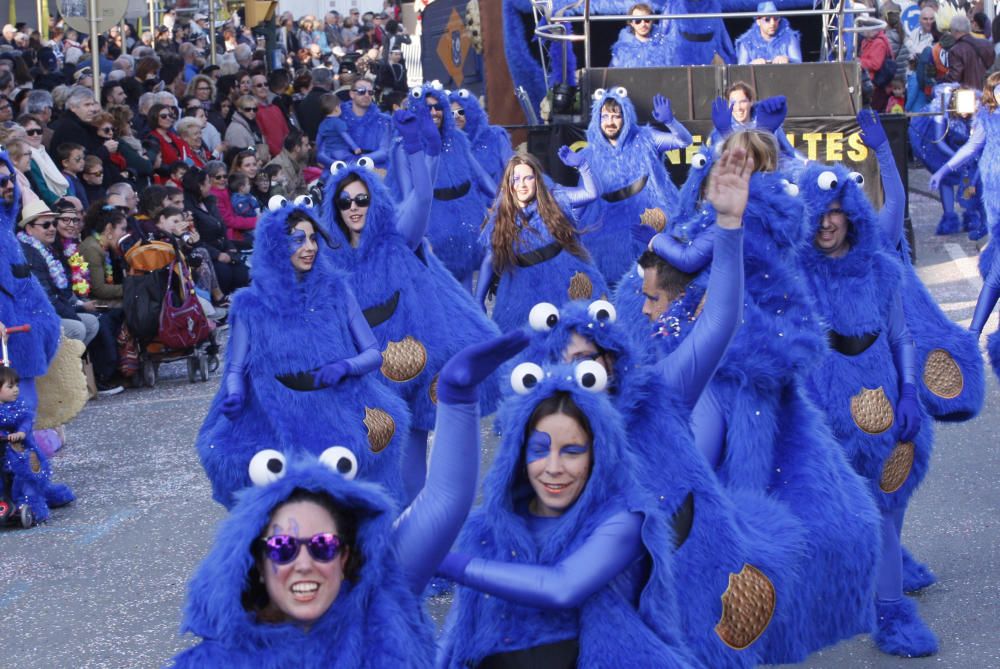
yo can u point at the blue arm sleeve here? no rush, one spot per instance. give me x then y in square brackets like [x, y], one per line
[482, 179]
[415, 211]
[237, 350]
[348, 140]
[369, 358]
[485, 279]
[794, 52]
[786, 148]
[890, 219]
[987, 297]
[690, 367]
[586, 192]
[429, 526]
[677, 138]
[612, 547]
[971, 149]
[688, 257]
[904, 353]
[709, 426]
[742, 55]
[404, 180]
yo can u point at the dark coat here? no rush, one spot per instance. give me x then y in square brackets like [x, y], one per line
[968, 61]
[62, 299]
[210, 227]
[310, 112]
[71, 129]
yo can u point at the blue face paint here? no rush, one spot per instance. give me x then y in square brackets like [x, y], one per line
[538, 446]
[297, 238]
[517, 179]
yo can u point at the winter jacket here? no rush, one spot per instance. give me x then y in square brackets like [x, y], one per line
[242, 135]
[968, 60]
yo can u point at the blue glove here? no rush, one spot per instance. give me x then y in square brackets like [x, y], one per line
[461, 376]
[939, 176]
[232, 405]
[453, 565]
[330, 375]
[661, 110]
[872, 132]
[722, 116]
[409, 129]
[771, 112]
[642, 234]
[430, 132]
[569, 157]
[908, 412]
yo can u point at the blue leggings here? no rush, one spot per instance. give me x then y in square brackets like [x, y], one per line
[890, 572]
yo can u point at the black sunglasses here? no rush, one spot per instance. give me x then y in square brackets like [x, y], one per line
[345, 200]
[437, 106]
[638, 21]
[166, 115]
[44, 226]
[249, 110]
[363, 91]
[33, 131]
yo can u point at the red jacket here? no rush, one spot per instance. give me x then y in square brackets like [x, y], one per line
[235, 225]
[874, 51]
[273, 125]
[172, 147]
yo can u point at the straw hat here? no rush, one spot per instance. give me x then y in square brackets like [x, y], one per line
[33, 210]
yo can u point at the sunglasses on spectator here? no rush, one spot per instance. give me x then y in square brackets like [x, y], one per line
[44, 226]
[457, 112]
[260, 85]
[363, 91]
[361, 199]
[106, 128]
[94, 174]
[165, 114]
[249, 110]
[636, 22]
[33, 131]
[219, 177]
[770, 19]
[284, 548]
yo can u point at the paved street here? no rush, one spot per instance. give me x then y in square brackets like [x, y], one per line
[102, 584]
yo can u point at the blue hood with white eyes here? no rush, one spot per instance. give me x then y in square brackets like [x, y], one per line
[374, 622]
[630, 121]
[434, 90]
[475, 117]
[380, 221]
[822, 184]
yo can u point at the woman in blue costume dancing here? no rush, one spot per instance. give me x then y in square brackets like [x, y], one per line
[533, 249]
[626, 162]
[419, 314]
[868, 380]
[462, 189]
[315, 567]
[490, 143]
[987, 301]
[641, 43]
[298, 365]
[934, 140]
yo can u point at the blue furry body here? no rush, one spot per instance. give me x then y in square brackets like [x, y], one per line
[490, 144]
[433, 308]
[28, 468]
[779, 45]
[993, 348]
[296, 326]
[989, 164]
[371, 132]
[629, 51]
[374, 623]
[713, 39]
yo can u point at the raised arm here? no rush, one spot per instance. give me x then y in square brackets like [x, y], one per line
[614, 545]
[690, 256]
[425, 531]
[890, 219]
[987, 297]
[421, 147]
[485, 280]
[904, 355]
[678, 137]
[586, 192]
[970, 150]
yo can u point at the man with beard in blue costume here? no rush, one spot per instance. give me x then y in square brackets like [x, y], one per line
[22, 299]
[760, 431]
[642, 42]
[868, 381]
[631, 179]
[367, 126]
[770, 40]
[314, 568]
[298, 365]
[419, 314]
[461, 187]
[490, 144]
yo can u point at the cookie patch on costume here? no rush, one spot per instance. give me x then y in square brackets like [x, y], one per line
[896, 468]
[654, 218]
[872, 411]
[380, 426]
[747, 607]
[942, 375]
[34, 462]
[432, 391]
[580, 287]
[403, 360]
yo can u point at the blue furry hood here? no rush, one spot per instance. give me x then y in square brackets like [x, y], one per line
[822, 184]
[435, 90]
[774, 216]
[686, 224]
[630, 121]
[10, 248]
[475, 117]
[380, 221]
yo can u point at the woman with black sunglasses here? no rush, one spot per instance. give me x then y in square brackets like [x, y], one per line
[243, 131]
[161, 119]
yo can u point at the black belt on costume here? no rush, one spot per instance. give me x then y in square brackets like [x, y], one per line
[559, 655]
[628, 191]
[683, 520]
[452, 193]
[301, 381]
[380, 313]
[697, 37]
[538, 256]
[851, 346]
[20, 270]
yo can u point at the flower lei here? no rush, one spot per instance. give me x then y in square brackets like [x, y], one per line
[56, 271]
[671, 327]
[109, 270]
[79, 269]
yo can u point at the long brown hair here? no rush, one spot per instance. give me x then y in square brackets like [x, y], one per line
[989, 100]
[507, 213]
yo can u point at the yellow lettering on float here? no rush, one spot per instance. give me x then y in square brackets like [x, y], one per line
[858, 151]
[834, 146]
[812, 140]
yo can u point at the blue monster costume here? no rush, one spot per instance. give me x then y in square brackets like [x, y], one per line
[508, 608]
[23, 302]
[762, 433]
[698, 41]
[867, 384]
[418, 312]
[462, 192]
[490, 143]
[286, 329]
[630, 51]
[984, 307]
[24, 466]
[934, 140]
[372, 131]
[631, 179]
[751, 45]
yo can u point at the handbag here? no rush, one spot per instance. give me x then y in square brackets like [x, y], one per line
[183, 323]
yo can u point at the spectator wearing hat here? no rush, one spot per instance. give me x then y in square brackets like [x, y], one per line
[770, 40]
[969, 57]
[49, 76]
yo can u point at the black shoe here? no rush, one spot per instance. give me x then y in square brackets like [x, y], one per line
[109, 388]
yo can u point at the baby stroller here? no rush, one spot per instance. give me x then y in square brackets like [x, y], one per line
[163, 314]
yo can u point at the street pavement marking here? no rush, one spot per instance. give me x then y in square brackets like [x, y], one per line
[967, 266]
[105, 527]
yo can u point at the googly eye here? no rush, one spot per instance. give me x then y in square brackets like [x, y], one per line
[337, 165]
[3, 148]
[598, 94]
[591, 375]
[266, 466]
[464, 93]
[790, 188]
[603, 310]
[416, 92]
[639, 270]
[525, 377]
[857, 177]
[366, 163]
[340, 460]
[436, 85]
[304, 201]
[276, 202]
[543, 317]
[621, 92]
[826, 180]
[699, 161]
[447, 93]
